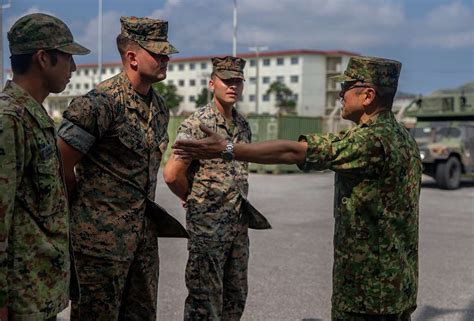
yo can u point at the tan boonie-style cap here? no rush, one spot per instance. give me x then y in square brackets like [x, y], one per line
[150, 34]
[41, 31]
[377, 71]
[228, 67]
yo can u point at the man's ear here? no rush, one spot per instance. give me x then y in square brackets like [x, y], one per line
[131, 58]
[370, 94]
[42, 59]
[211, 84]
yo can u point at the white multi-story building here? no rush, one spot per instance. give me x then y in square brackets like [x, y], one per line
[306, 72]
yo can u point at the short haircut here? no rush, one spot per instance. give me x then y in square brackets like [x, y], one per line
[124, 44]
[22, 63]
[385, 96]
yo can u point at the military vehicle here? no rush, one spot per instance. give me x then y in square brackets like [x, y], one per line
[444, 131]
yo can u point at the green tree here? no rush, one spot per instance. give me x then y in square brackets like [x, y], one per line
[284, 97]
[203, 98]
[170, 95]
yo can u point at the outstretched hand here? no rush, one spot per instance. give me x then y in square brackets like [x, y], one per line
[206, 148]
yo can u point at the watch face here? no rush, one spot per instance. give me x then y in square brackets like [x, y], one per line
[227, 156]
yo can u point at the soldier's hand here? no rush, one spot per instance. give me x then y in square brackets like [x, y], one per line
[206, 148]
[4, 313]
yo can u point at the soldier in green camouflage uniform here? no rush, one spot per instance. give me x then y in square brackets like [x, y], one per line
[213, 191]
[115, 137]
[35, 262]
[377, 188]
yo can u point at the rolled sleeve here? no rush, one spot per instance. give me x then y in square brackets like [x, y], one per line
[75, 136]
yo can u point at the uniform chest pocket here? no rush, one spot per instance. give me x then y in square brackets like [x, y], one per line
[50, 189]
[133, 139]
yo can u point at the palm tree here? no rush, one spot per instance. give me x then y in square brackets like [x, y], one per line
[169, 93]
[284, 97]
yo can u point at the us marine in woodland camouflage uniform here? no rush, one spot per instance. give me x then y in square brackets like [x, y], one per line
[35, 262]
[115, 136]
[214, 192]
[377, 189]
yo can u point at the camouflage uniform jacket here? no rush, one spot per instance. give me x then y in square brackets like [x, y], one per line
[34, 216]
[377, 189]
[216, 186]
[122, 146]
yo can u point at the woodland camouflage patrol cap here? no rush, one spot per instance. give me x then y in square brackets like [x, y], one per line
[150, 34]
[377, 71]
[228, 67]
[41, 31]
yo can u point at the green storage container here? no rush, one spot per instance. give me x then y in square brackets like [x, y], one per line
[281, 127]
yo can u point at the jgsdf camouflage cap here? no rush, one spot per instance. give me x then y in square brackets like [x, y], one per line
[228, 67]
[41, 31]
[377, 71]
[150, 34]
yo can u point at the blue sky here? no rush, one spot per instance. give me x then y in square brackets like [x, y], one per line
[434, 39]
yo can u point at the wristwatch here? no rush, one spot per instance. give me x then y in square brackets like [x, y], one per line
[228, 153]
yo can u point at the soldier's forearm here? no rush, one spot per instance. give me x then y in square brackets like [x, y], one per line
[272, 152]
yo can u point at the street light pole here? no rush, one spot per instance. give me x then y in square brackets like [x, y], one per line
[99, 44]
[2, 7]
[234, 38]
[257, 50]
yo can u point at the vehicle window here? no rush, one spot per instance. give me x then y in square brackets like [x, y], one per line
[447, 133]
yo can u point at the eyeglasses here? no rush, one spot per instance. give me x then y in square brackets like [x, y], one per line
[346, 86]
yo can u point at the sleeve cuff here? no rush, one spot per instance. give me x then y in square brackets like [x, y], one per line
[75, 136]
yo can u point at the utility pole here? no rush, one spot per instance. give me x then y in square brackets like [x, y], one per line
[2, 7]
[99, 44]
[234, 38]
[257, 50]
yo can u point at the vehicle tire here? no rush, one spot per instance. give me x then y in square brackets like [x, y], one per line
[448, 174]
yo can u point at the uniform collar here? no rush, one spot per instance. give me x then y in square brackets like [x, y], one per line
[24, 99]
[134, 101]
[382, 117]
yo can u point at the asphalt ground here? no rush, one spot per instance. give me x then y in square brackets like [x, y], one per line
[290, 265]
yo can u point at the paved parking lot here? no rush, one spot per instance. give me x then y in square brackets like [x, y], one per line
[290, 266]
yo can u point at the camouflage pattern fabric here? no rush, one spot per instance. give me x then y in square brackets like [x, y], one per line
[151, 34]
[112, 290]
[216, 278]
[214, 201]
[41, 31]
[377, 189]
[34, 216]
[377, 71]
[228, 67]
[348, 316]
[123, 146]
[216, 272]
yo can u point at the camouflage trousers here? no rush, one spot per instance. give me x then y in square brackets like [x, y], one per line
[348, 316]
[216, 278]
[115, 290]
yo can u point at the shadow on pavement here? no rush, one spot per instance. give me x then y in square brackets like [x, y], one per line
[432, 184]
[311, 319]
[429, 312]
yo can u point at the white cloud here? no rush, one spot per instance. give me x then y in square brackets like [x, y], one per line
[35, 9]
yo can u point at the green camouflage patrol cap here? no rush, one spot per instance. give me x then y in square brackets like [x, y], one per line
[150, 34]
[228, 67]
[41, 31]
[377, 71]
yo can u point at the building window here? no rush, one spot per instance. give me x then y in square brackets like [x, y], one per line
[253, 63]
[192, 82]
[252, 80]
[266, 97]
[170, 67]
[266, 62]
[203, 82]
[251, 97]
[203, 65]
[181, 66]
[295, 97]
[78, 86]
[294, 60]
[266, 80]
[103, 71]
[192, 98]
[281, 79]
[86, 72]
[170, 82]
[192, 66]
[241, 98]
[180, 83]
[86, 86]
[294, 79]
[69, 86]
[280, 61]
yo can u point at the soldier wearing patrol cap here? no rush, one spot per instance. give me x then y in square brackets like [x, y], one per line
[112, 140]
[215, 196]
[35, 261]
[377, 189]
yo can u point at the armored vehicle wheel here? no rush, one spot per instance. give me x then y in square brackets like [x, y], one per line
[448, 174]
